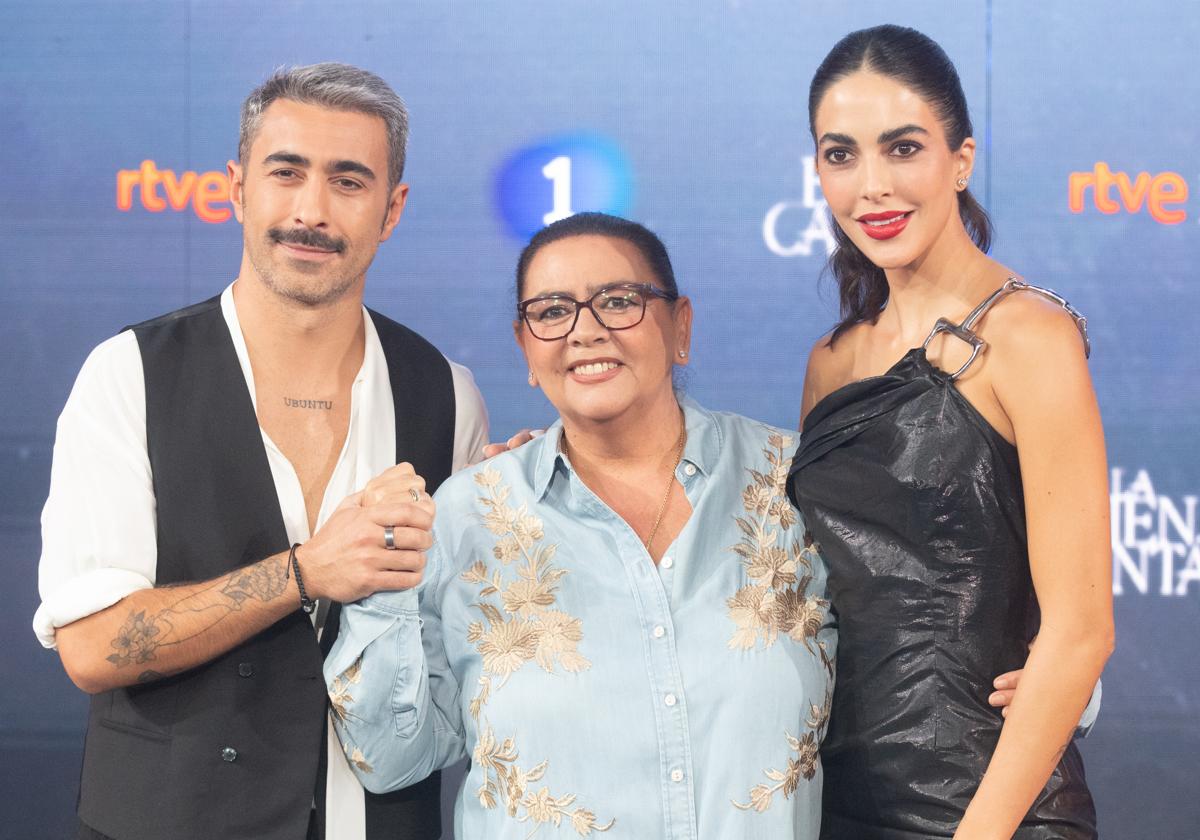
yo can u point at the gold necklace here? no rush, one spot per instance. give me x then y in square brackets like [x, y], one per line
[565, 446]
[662, 509]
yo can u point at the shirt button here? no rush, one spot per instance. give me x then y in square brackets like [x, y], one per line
[229, 754]
[667, 562]
[689, 469]
[245, 669]
[659, 631]
[677, 775]
[670, 700]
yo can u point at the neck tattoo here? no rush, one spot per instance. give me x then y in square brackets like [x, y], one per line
[326, 405]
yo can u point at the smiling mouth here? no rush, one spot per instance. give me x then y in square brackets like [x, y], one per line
[883, 219]
[884, 226]
[594, 368]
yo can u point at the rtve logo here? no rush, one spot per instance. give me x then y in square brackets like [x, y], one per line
[1114, 191]
[203, 191]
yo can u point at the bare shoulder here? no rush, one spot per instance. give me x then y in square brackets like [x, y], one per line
[1027, 328]
[821, 358]
[1037, 365]
[829, 366]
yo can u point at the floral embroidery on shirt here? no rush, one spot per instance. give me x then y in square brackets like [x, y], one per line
[513, 786]
[355, 756]
[339, 705]
[804, 765]
[776, 600]
[339, 690]
[523, 628]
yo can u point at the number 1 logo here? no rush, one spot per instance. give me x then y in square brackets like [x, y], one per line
[558, 177]
[559, 173]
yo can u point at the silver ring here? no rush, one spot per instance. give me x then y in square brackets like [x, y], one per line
[416, 494]
[389, 537]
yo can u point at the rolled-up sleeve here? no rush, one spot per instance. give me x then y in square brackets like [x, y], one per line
[395, 702]
[98, 527]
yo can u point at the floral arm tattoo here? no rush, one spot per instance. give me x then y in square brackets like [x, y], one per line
[143, 633]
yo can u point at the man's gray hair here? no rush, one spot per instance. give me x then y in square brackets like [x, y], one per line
[340, 87]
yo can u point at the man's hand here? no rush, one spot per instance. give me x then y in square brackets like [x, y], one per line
[395, 484]
[347, 559]
[521, 438]
[161, 631]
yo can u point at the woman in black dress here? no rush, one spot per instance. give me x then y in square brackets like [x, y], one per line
[959, 494]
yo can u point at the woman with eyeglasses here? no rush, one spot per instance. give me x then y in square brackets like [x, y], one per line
[959, 496]
[623, 623]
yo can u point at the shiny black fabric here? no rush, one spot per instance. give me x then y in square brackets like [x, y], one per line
[916, 502]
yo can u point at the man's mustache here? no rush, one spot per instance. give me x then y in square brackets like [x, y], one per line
[307, 239]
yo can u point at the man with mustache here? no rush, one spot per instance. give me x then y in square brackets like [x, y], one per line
[225, 473]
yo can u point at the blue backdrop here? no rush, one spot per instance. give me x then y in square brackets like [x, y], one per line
[688, 116]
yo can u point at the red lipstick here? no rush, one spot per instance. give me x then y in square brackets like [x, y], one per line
[883, 225]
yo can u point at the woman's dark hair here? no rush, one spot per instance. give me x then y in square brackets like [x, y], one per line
[917, 62]
[601, 224]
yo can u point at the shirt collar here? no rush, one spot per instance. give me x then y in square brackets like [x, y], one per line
[374, 363]
[548, 459]
[372, 355]
[703, 446]
[702, 449]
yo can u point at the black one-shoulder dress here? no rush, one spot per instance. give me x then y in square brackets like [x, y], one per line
[917, 504]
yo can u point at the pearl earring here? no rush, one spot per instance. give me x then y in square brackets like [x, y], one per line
[683, 354]
[962, 183]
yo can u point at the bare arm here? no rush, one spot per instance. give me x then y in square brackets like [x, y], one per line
[815, 375]
[157, 632]
[153, 633]
[1061, 447]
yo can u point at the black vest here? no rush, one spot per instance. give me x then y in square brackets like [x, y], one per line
[230, 749]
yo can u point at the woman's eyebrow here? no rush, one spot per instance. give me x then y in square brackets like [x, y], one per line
[591, 289]
[897, 133]
[834, 137]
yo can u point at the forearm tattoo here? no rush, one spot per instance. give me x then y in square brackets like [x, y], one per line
[263, 581]
[143, 635]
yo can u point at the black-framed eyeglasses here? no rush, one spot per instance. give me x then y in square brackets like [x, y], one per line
[616, 307]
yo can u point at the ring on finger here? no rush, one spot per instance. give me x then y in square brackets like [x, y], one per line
[415, 493]
[389, 538]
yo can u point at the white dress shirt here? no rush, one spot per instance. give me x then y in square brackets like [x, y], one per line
[98, 525]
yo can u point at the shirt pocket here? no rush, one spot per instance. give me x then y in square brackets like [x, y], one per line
[145, 710]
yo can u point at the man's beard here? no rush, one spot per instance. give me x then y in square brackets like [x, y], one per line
[325, 290]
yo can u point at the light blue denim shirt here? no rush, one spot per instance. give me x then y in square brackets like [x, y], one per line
[592, 690]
